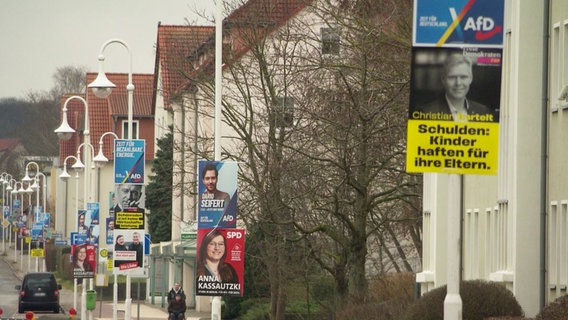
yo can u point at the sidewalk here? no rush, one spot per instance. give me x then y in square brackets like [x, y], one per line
[104, 309]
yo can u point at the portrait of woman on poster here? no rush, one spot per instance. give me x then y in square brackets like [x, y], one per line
[80, 262]
[119, 245]
[212, 259]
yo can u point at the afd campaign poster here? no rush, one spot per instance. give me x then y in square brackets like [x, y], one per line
[458, 23]
[220, 262]
[453, 124]
[217, 204]
[129, 161]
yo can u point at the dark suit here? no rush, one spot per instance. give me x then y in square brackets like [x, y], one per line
[440, 105]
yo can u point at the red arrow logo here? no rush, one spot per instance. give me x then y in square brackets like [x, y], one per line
[480, 35]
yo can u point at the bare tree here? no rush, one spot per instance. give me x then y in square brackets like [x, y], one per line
[68, 79]
[316, 106]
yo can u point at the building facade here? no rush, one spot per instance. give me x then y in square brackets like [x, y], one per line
[514, 224]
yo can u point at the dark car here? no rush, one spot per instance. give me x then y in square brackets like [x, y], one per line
[39, 292]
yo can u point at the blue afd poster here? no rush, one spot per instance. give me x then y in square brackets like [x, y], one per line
[458, 23]
[217, 206]
[129, 161]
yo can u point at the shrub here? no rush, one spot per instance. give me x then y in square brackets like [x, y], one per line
[376, 311]
[394, 286]
[480, 300]
[255, 309]
[557, 310]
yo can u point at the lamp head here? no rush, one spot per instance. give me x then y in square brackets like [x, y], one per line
[64, 132]
[34, 185]
[28, 190]
[64, 175]
[78, 165]
[100, 159]
[27, 178]
[102, 86]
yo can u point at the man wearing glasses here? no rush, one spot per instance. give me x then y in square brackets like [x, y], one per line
[128, 197]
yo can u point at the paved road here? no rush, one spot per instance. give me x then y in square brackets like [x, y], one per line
[11, 274]
[8, 292]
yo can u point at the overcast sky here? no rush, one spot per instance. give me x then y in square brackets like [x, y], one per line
[38, 36]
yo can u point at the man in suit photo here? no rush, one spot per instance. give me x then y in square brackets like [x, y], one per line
[456, 79]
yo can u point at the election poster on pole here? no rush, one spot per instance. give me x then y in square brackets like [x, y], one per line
[218, 194]
[220, 262]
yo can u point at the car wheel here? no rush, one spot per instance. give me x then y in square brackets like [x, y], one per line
[20, 309]
[56, 309]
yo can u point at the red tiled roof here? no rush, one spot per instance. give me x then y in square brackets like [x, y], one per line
[9, 143]
[267, 12]
[105, 115]
[174, 45]
[251, 22]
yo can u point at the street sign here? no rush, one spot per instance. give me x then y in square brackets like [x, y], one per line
[59, 242]
[37, 252]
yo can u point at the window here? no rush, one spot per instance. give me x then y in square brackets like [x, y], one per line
[134, 130]
[283, 112]
[329, 41]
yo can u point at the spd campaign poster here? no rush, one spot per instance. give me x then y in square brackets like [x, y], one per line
[458, 23]
[220, 262]
[453, 124]
[129, 161]
[217, 204]
[84, 260]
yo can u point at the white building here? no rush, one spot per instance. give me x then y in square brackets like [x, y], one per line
[514, 225]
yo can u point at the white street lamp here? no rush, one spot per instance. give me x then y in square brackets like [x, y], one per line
[100, 159]
[65, 177]
[4, 181]
[64, 131]
[102, 88]
[14, 193]
[9, 189]
[27, 179]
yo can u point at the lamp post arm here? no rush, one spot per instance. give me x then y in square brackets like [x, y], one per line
[130, 85]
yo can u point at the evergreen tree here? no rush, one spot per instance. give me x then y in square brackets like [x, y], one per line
[159, 191]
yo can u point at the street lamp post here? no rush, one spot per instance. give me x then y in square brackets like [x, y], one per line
[65, 132]
[102, 88]
[37, 215]
[27, 179]
[65, 177]
[9, 190]
[36, 186]
[4, 181]
[29, 192]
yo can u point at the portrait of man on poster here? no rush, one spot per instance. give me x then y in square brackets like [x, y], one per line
[449, 85]
[214, 198]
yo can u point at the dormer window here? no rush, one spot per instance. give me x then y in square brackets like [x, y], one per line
[329, 41]
[134, 130]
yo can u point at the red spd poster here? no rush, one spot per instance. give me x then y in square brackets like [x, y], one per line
[83, 260]
[220, 262]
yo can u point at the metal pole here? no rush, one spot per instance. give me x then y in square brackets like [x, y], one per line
[453, 301]
[216, 301]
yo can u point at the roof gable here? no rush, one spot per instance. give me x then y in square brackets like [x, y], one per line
[174, 45]
[250, 23]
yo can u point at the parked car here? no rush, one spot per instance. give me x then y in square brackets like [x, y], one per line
[39, 292]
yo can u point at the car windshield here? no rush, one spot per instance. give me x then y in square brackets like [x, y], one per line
[40, 282]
